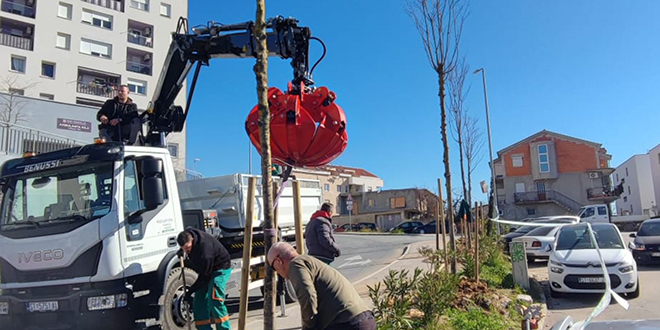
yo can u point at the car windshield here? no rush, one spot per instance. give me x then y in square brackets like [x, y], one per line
[540, 231]
[76, 193]
[577, 238]
[649, 229]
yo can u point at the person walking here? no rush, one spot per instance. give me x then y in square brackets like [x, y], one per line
[318, 235]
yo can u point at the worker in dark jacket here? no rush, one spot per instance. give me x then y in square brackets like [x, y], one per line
[318, 235]
[212, 263]
[328, 301]
[119, 116]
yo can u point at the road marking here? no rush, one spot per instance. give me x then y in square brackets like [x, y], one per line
[406, 249]
[353, 261]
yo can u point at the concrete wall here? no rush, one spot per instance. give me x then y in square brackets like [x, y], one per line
[519, 212]
[638, 195]
[654, 159]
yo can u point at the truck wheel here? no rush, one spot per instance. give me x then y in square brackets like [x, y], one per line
[174, 314]
[628, 227]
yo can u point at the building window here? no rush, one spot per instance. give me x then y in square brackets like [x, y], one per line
[17, 91]
[95, 48]
[347, 189]
[371, 202]
[48, 69]
[544, 162]
[137, 86]
[531, 211]
[140, 4]
[18, 63]
[326, 187]
[64, 10]
[629, 193]
[165, 9]
[338, 188]
[173, 148]
[46, 96]
[517, 161]
[97, 19]
[63, 41]
[626, 171]
[625, 199]
[617, 177]
[369, 189]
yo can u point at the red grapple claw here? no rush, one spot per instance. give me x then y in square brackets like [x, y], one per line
[306, 130]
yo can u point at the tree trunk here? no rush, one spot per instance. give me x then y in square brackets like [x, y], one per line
[261, 72]
[459, 127]
[445, 159]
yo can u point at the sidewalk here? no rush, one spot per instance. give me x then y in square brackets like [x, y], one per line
[408, 260]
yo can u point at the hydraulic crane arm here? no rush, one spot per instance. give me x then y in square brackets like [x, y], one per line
[285, 39]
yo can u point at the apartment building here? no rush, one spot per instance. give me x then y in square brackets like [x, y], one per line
[549, 173]
[639, 176]
[80, 51]
[337, 182]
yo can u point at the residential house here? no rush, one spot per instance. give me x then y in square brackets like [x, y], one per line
[549, 173]
[638, 183]
[339, 181]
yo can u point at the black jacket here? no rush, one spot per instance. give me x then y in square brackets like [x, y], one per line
[114, 109]
[207, 255]
[319, 240]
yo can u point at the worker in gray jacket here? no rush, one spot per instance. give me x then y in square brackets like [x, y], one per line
[318, 235]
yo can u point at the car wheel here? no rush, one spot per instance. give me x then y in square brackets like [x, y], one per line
[635, 293]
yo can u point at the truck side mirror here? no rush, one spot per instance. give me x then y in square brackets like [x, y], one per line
[152, 182]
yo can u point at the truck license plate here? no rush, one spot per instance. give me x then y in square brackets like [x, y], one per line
[655, 254]
[591, 279]
[42, 306]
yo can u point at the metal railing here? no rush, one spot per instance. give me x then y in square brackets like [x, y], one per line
[139, 5]
[15, 8]
[117, 5]
[17, 139]
[16, 42]
[184, 174]
[108, 91]
[601, 192]
[550, 196]
[140, 40]
[138, 67]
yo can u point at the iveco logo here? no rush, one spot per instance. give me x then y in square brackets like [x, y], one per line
[39, 256]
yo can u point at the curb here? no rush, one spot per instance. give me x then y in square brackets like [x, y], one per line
[537, 292]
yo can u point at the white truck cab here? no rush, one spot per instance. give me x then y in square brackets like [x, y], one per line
[600, 213]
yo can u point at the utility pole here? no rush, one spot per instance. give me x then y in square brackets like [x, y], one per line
[261, 72]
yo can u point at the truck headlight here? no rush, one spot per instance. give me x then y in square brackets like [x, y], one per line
[626, 269]
[107, 302]
[4, 308]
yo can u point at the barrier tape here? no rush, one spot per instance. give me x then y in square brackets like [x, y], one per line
[606, 299]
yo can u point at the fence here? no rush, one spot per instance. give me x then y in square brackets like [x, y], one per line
[17, 139]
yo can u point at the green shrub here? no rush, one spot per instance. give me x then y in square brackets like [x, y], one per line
[476, 319]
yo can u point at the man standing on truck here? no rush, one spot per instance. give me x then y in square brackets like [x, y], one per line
[212, 263]
[327, 299]
[119, 118]
[318, 235]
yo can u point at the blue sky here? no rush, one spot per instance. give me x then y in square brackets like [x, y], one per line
[588, 69]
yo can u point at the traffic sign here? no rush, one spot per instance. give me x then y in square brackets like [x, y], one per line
[349, 202]
[349, 198]
[349, 207]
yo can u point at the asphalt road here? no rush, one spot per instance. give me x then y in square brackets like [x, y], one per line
[579, 306]
[362, 255]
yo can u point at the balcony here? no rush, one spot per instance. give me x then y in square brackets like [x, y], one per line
[604, 195]
[15, 7]
[140, 4]
[16, 34]
[97, 83]
[140, 33]
[138, 61]
[117, 5]
[548, 196]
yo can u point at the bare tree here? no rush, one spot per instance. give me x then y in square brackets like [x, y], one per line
[457, 94]
[11, 101]
[440, 25]
[473, 144]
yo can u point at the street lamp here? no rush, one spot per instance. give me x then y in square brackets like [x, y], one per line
[490, 142]
[195, 164]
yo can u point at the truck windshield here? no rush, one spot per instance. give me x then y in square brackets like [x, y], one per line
[65, 195]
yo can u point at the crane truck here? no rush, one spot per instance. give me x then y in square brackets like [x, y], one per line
[88, 234]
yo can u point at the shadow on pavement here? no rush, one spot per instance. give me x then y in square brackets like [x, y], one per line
[254, 303]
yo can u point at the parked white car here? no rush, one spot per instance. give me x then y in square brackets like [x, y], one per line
[538, 242]
[574, 265]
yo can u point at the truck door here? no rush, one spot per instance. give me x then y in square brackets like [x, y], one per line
[588, 215]
[602, 214]
[147, 234]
